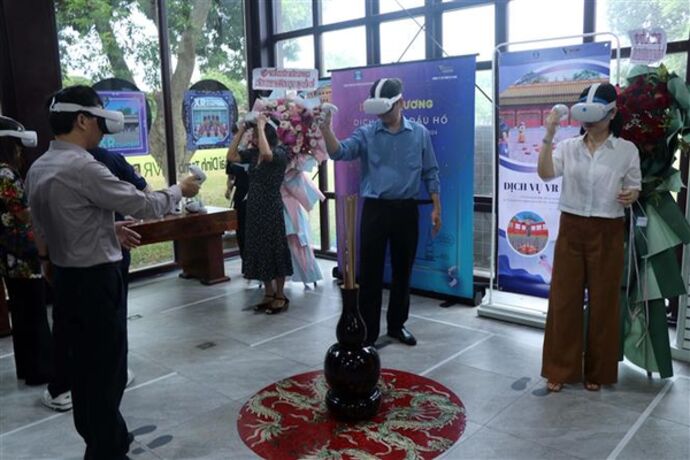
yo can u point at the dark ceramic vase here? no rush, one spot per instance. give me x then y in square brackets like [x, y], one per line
[351, 369]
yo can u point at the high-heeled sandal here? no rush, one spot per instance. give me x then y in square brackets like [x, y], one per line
[554, 387]
[271, 310]
[268, 300]
[590, 386]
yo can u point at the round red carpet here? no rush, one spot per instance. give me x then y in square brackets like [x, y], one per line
[419, 418]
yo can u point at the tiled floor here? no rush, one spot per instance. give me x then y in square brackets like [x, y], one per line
[198, 353]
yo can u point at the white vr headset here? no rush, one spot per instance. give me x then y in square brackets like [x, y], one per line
[378, 105]
[250, 118]
[591, 109]
[28, 138]
[110, 121]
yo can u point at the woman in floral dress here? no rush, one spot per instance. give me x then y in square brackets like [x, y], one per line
[20, 266]
[267, 257]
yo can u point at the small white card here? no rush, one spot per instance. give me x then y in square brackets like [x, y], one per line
[641, 221]
[648, 45]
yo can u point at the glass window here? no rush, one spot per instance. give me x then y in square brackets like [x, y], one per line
[386, 6]
[332, 233]
[291, 14]
[128, 50]
[676, 62]
[402, 40]
[330, 171]
[344, 48]
[621, 16]
[296, 53]
[468, 31]
[537, 19]
[483, 136]
[339, 11]
[315, 223]
[219, 56]
[482, 241]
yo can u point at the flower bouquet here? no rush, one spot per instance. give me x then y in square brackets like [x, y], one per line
[655, 106]
[298, 127]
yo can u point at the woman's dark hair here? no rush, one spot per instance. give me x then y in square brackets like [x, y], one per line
[63, 122]
[9, 146]
[607, 92]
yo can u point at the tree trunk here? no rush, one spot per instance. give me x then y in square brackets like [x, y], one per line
[181, 78]
[112, 49]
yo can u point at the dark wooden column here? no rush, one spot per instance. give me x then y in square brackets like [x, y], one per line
[29, 64]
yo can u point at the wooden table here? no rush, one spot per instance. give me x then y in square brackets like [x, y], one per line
[199, 240]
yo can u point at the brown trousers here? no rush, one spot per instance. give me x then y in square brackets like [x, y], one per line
[589, 254]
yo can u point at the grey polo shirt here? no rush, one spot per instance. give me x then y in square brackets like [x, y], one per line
[72, 199]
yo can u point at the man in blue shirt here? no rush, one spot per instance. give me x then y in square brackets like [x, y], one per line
[396, 156]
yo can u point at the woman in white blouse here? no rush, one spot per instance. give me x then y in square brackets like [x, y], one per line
[601, 176]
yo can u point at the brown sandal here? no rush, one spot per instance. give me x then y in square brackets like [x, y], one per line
[554, 387]
[592, 386]
[273, 310]
[267, 301]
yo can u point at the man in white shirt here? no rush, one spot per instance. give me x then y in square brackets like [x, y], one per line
[72, 198]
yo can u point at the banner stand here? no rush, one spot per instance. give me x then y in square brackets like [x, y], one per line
[497, 304]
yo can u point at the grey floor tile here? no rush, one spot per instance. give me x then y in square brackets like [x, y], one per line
[19, 403]
[168, 402]
[6, 347]
[675, 406]
[505, 356]
[658, 439]
[435, 343]
[240, 373]
[54, 438]
[483, 393]
[211, 435]
[634, 390]
[566, 421]
[307, 346]
[191, 350]
[489, 444]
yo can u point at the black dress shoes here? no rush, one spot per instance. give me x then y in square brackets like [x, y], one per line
[404, 336]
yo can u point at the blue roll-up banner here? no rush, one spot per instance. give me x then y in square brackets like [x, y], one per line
[530, 83]
[440, 95]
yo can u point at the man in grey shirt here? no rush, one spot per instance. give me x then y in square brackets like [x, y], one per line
[72, 198]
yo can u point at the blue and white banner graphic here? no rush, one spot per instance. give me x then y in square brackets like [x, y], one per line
[530, 83]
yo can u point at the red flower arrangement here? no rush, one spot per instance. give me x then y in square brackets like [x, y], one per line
[645, 107]
[655, 107]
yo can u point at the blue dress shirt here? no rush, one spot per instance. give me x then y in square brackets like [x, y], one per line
[393, 164]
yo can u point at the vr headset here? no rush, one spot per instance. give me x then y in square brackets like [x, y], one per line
[250, 118]
[110, 121]
[591, 109]
[28, 138]
[378, 105]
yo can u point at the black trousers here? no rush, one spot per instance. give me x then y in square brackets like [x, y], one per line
[383, 222]
[33, 351]
[62, 373]
[91, 300]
